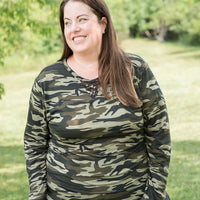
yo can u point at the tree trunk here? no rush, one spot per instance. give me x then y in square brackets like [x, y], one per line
[160, 32]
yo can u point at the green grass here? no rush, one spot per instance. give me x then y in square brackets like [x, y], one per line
[177, 70]
[23, 61]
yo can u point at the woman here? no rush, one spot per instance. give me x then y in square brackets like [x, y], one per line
[97, 125]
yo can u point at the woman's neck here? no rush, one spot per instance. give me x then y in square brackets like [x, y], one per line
[84, 66]
[86, 61]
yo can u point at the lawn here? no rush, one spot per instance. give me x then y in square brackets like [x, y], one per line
[177, 70]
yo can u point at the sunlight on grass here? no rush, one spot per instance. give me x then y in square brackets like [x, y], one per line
[14, 184]
[20, 62]
[13, 177]
[14, 106]
[11, 170]
[185, 170]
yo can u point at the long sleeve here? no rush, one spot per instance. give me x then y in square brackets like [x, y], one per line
[157, 135]
[36, 144]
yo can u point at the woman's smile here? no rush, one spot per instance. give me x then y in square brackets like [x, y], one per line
[78, 39]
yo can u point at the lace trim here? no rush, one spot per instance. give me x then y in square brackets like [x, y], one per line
[92, 87]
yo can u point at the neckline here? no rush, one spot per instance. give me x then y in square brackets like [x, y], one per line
[74, 74]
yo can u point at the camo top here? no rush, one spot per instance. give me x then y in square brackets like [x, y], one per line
[79, 145]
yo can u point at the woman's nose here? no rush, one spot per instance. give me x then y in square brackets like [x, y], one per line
[75, 26]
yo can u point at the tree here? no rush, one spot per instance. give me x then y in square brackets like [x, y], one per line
[167, 16]
[118, 14]
[139, 14]
[189, 28]
[19, 17]
[159, 18]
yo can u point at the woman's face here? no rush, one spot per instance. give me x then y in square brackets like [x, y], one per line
[83, 31]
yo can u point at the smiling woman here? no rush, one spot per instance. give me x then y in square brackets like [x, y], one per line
[82, 26]
[97, 125]
[83, 34]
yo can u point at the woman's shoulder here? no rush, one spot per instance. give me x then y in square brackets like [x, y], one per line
[56, 69]
[140, 66]
[53, 68]
[137, 62]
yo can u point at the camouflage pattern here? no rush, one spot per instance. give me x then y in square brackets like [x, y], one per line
[79, 145]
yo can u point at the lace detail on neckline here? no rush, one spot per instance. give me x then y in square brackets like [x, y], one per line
[92, 87]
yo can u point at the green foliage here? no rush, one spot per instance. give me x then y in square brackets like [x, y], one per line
[159, 18]
[118, 14]
[28, 26]
[24, 22]
[2, 91]
[13, 19]
[33, 25]
[190, 26]
[29, 18]
[182, 17]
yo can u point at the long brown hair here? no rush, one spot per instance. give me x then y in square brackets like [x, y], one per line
[114, 65]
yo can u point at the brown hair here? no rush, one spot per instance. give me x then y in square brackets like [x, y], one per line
[114, 65]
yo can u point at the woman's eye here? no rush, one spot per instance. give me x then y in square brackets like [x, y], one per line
[82, 19]
[67, 23]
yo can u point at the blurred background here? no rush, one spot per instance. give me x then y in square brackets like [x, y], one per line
[166, 33]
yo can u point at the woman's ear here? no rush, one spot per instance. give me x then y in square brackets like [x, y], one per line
[104, 23]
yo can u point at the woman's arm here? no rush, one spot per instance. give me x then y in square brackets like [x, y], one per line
[157, 135]
[35, 144]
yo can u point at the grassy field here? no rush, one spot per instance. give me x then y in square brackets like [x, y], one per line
[177, 70]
